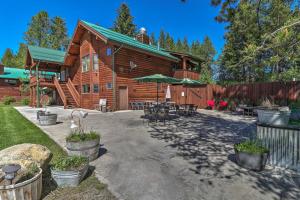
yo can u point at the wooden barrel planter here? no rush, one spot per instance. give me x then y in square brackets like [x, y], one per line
[47, 119]
[89, 149]
[30, 189]
[283, 143]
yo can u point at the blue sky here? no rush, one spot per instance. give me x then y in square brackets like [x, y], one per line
[193, 19]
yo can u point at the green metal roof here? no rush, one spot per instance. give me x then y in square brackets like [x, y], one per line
[45, 54]
[124, 39]
[14, 73]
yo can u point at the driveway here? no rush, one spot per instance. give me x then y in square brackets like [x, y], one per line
[188, 158]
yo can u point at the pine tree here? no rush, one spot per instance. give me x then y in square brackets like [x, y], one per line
[162, 39]
[20, 57]
[185, 46]
[8, 58]
[38, 31]
[170, 45]
[124, 22]
[46, 32]
[153, 39]
[58, 33]
[179, 46]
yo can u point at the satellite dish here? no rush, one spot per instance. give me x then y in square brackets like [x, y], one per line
[132, 65]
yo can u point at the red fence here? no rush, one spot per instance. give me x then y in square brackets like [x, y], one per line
[254, 92]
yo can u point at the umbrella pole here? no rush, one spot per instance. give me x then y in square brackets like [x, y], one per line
[185, 95]
[156, 93]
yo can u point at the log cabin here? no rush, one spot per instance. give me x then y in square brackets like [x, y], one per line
[101, 64]
[10, 81]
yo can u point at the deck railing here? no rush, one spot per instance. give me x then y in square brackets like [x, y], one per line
[180, 74]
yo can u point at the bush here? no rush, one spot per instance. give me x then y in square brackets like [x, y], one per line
[295, 104]
[252, 147]
[69, 163]
[25, 101]
[81, 137]
[7, 100]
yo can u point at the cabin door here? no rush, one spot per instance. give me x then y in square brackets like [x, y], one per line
[123, 98]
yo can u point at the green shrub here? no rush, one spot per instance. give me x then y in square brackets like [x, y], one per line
[69, 163]
[7, 100]
[295, 104]
[25, 101]
[77, 137]
[250, 147]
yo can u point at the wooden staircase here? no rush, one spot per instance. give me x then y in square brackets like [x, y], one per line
[70, 100]
[67, 93]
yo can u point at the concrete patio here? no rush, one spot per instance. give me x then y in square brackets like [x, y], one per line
[188, 158]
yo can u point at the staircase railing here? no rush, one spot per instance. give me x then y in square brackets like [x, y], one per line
[60, 92]
[73, 92]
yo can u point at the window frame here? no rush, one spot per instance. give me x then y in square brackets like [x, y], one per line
[109, 84]
[88, 87]
[96, 84]
[84, 59]
[97, 60]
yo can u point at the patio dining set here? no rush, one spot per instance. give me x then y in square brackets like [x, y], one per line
[162, 111]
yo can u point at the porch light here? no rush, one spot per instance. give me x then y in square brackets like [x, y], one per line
[10, 171]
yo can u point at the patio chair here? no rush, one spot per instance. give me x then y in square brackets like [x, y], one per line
[140, 105]
[134, 106]
[149, 114]
[163, 115]
[195, 107]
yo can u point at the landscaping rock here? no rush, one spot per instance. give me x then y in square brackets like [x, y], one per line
[25, 155]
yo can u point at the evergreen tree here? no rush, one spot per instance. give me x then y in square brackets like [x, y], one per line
[20, 57]
[162, 39]
[46, 32]
[124, 22]
[58, 33]
[8, 58]
[153, 39]
[38, 31]
[179, 46]
[207, 52]
[185, 46]
[170, 45]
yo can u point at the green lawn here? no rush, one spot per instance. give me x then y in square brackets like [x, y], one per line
[15, 129]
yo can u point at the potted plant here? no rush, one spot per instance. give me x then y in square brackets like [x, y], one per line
[251, 155]
[17, 182]
[80, 142]
[272, 114]
[69, 171]
[83, 144]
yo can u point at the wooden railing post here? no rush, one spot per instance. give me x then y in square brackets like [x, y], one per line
[60, 92]
[73, 92]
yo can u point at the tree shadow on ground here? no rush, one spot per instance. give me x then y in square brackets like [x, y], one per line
[206, 142]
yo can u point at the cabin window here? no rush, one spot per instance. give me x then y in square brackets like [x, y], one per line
[108, 85]
[95, 88]
[95, 62]
[85, 63]
[108, 51]
[86, 88]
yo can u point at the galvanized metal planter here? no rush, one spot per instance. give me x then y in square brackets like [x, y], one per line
[283, 143]
[28, 190]
[89, 149]
[70, 178]
[47, 119]
[255, 162]
[273, 117]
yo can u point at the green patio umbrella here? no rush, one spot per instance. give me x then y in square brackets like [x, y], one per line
[157, 78]
[188, 82]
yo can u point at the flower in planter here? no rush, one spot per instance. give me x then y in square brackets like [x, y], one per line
[223, 104]
[211, 104]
